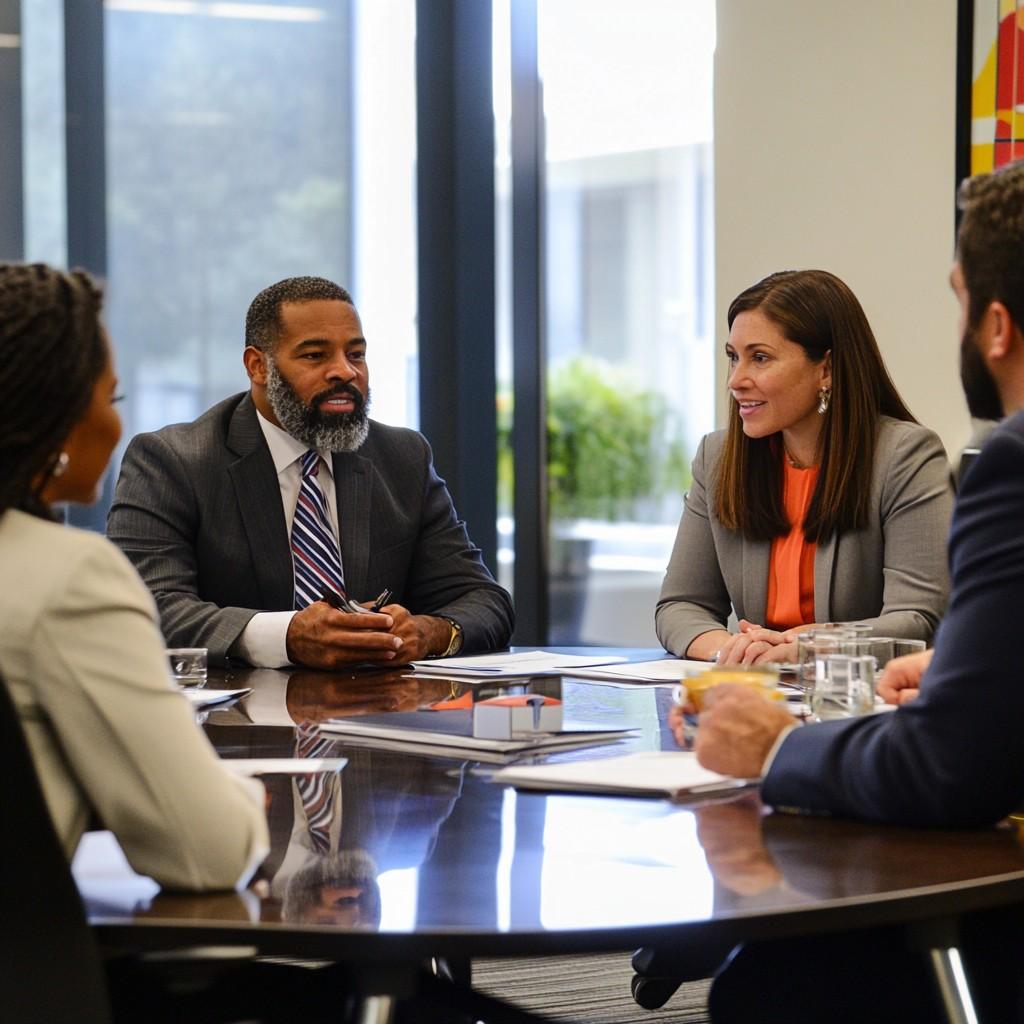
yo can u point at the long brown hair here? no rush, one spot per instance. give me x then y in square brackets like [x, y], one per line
[817, 311]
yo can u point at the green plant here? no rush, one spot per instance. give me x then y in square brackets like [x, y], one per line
[610, 443]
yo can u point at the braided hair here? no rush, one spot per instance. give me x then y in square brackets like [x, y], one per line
[52, 352]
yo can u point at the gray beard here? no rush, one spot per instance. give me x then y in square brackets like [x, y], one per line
[324, 431]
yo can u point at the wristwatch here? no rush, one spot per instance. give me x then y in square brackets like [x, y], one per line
[454, 641]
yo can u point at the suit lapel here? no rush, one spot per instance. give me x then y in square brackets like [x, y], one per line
[352, 487]
[756, 558]
[824, 561]
[259, 505]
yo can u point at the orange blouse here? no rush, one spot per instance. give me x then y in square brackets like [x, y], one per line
[791, 567]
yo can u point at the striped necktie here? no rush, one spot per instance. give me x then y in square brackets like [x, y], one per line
[315, 552]
[314, 788]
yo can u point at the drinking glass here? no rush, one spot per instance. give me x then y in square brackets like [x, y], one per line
[844, 686]
[763, 678]
[810, 647]
[188, 665]
[882, 648]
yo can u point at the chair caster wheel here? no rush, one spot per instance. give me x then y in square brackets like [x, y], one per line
[653, 993]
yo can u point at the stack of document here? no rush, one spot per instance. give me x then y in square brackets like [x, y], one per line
[519, 665]
[672, 774]
[450, 734]
[664, 670]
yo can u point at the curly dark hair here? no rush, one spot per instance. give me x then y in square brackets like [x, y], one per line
[263, 321]
[990, 243]
[52, 352]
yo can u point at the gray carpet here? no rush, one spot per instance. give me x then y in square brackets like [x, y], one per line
[593, 989]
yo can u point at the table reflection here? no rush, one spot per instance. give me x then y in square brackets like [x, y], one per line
[730, 833]
[406, 843]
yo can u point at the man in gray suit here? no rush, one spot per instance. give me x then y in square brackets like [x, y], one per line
[242, 521]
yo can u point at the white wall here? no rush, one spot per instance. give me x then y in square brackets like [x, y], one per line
[834, 148]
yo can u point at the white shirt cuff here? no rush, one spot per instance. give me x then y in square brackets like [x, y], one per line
[779, 740]
[263, 642]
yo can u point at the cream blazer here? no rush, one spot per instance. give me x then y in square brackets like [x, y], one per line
[83, 658]
[891, 574]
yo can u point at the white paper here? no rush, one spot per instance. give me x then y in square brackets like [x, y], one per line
[199, 697]
[662, 772]
[664, 670]
[522, 663]
[283, 765]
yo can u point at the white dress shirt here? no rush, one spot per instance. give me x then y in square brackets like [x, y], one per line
[263, 641]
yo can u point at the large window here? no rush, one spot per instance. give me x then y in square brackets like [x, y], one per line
[234, 160]
[628, 295]
[248, 141]
[245, 142]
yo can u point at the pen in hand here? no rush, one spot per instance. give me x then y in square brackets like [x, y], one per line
[342, 603]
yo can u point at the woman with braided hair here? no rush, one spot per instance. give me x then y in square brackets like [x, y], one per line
[80, 649]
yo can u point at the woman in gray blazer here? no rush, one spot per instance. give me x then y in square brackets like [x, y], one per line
[822, 501]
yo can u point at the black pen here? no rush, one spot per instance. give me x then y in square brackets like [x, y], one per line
[383, 598]
[340, 602]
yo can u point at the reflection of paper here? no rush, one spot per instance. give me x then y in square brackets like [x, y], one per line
[200, 698]
[665, 670]
[105, 876]
[283, 765]
[523, 663]
[654, 773]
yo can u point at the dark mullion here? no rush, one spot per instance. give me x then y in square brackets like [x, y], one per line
[85, 135]
[455, 213]
[12, 193]
[529, 438]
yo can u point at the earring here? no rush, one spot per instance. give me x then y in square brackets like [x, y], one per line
[61, 465]
[824, 397]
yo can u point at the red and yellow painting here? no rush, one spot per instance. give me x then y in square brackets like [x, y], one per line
[997, 92]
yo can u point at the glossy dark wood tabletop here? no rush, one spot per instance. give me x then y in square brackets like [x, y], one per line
[432, 858]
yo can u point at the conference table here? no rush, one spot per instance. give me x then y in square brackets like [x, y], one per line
[424, 859]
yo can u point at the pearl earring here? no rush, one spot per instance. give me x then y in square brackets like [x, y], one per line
[61, 465]
[824, 397]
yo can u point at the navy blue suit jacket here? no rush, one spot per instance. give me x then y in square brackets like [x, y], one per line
[955, 756]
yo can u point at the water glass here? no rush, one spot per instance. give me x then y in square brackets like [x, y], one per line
[844, 686]
[810, 648]
[188, 665]
[898, 648]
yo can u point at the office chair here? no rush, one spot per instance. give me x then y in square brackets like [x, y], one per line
[967, 457]
[50, 968]
[660, 972]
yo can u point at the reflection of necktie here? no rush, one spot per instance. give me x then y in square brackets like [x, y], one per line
[313, 789]
[315, 552]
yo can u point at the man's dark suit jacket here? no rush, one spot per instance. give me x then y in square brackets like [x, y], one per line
[955, 756]
[198, 511]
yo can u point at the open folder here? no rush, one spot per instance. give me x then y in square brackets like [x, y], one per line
[662, 773]
[521, 664]
[451, 733]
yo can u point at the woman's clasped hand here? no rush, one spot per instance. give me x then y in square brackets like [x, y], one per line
[756, 645]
